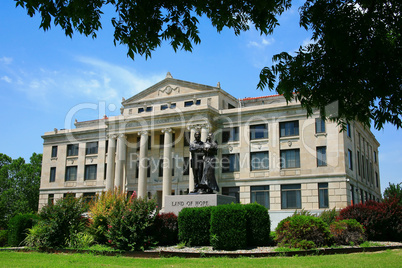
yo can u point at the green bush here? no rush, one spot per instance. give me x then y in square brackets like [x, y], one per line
[194, 225]
[229, 227]
[130, 223]
[80, 240]
[346, 231]
[58, 222]
[166, 229]
[258, 225]
[18, 227]
[329, 216]
[3, 238]
[293, 230]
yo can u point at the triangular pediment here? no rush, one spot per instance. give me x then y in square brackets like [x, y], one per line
[169, 88]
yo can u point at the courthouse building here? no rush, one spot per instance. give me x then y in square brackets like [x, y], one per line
[269, 152]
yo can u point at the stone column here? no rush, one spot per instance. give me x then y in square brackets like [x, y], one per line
[120, 161]
[167, 164]
[110, 162]
[204, 132]
[190, 173]
[142, 162]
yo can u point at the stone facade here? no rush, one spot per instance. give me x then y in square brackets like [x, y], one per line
[269, 151]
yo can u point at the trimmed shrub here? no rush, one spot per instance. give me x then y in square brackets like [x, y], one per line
[345, 232]
[329, 216]
[3, 238]
[58, 222]
[18, 227]
[298, 230]
[382, 220]
[166, 229]
[229, 227]
[194, 225]
[130, 222]
[258, 225]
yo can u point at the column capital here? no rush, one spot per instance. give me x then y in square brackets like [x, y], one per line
[112, 136]
[143, 132]
[122, 135]
[194, 127]
[167, 130]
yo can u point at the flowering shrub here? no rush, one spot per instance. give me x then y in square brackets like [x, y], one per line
[345, 232]
[166, 229]
[129, 223]
[382, 220]
[100, 213]
[302, 231]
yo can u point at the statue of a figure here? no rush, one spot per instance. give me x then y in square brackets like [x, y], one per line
[197, 159]
[208, 182]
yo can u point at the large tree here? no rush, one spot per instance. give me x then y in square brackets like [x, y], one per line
[19, 186]
[355, 60]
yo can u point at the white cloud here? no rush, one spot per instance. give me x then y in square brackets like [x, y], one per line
[261, 43]
[6, 60]
[6, 78]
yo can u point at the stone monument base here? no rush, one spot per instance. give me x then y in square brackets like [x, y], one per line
[175, 203]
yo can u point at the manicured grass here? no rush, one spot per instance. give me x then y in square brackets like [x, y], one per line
[388, 258]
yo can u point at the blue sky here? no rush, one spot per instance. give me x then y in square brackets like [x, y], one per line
[45, 76]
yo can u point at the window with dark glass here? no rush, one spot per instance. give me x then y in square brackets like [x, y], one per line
[50, 199]
[164, 107]
[230, 134]
[149, 109]
[350, 159]
[232, 191]
[376, 179]
[105, 173]
[71, 173]
[319, 125]
[72, 150]
[191, 103]
[290, 158]
[291, 196]
[186, 167]
[90, 172]
[54, 151]
[349, 130]
[361, 196]
[107, 146]
[323, 195]
[375, 157]
[52, 174]
[259, 160]
[140, 110]
[230, 163]
[290, 128]
[260, 194]
[91, 148]
[186, 140]
[258, 131]
[358, 162]
[321, 156]
[352, 194]
[160, 168]
[89, 197]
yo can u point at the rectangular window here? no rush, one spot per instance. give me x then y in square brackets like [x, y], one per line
[291, 196]
[259, 160]
[140, 110]
[71, 173]
[50, 199]
[230, 134]
[349, 130]
[232, 191]
[52, 174]
[350, 159]
[260, 194]
[321, 156]
[358, 162]
[323, 195]
[258, 131]
[54, 151]
[160, 167]
[361, 196]
[352, 195]
[107, 146]
[89, 197]
[319, 125]
[72, 150]
[230, 163]
[149, 109]
[290, 158]
[186, 167]
[191, 103]
[91, 148]
[186, 141]
[105, 172]
[376, 179]
[90, 172]
[375, 157]
[164, 107]
[172, 105]
[289, 128]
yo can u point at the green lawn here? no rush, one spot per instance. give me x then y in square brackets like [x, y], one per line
[388, 258]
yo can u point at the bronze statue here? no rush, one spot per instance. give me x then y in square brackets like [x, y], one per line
[197, 159]
[203, 162]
